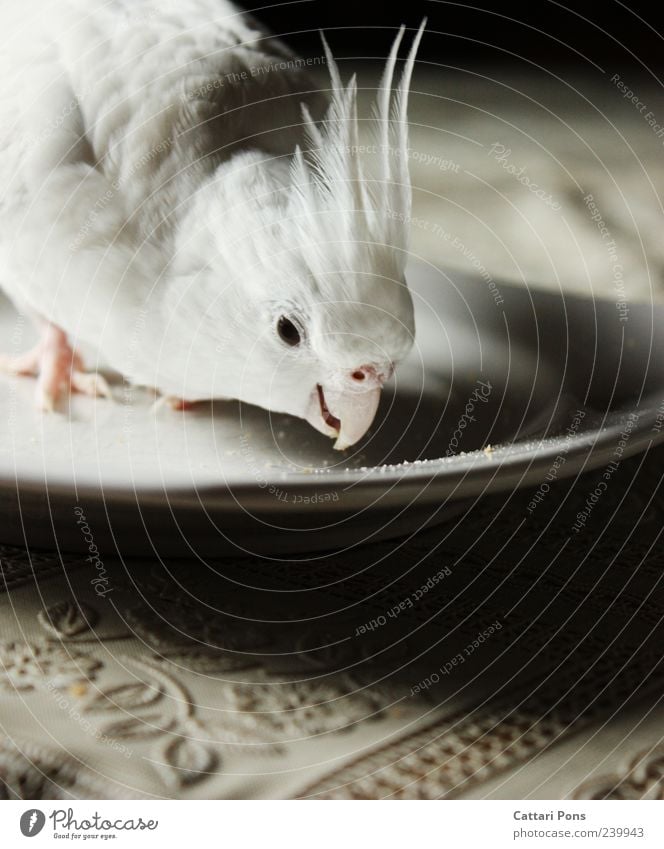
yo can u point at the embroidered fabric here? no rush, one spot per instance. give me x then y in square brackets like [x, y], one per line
[503, 655]
[500, 654]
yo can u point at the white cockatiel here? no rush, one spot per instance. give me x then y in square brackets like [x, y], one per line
[174, 191]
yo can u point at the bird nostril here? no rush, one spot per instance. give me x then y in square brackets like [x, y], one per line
[358, 375]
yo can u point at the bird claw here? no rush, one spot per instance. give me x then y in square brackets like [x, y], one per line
[44, 400]
[24, 364]
[179, 403]
[56, 366]
[89, 383]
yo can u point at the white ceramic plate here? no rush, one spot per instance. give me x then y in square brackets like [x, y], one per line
[486, 402]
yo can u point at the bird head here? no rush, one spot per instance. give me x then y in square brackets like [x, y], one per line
[306, 299]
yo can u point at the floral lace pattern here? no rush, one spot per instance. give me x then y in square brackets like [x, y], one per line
[25, 666]
[430, 667]
[641, 778]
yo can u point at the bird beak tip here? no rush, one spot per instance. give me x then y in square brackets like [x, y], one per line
[343, 416]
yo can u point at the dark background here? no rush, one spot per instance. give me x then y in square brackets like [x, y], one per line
[606, 33]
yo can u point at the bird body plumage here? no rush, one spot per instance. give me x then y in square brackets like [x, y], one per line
[172, 182]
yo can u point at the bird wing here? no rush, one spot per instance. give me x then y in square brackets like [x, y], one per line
[158, 91]
[117, 109]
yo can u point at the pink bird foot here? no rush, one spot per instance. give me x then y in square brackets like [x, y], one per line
[57, 367]
[179, 403]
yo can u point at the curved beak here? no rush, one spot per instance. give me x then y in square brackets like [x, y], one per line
[344, 415]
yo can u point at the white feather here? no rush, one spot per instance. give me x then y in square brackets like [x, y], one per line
[171, 183]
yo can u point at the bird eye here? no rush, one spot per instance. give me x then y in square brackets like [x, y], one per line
[288, 332]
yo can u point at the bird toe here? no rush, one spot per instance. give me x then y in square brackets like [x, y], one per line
[90, 383]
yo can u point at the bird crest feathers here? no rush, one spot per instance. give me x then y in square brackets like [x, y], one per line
[334, 199]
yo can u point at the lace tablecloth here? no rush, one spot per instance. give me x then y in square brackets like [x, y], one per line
[514, 652]
[504, 654]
